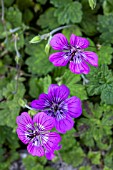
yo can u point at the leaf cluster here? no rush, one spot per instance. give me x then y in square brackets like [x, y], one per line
[90, 143]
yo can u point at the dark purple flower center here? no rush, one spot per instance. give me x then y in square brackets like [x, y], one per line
[33, 133]
[74, 53]
[56, 109]
[37, 135]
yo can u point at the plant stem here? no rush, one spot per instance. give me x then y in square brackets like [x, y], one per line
[28, 107]
[3, 20]
[2, 4]
[18, 66]
[60, 158]
[59, 28]
[15, 45]
[85, 81]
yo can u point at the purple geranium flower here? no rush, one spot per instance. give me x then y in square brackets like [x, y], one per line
[36, 133]
[73, 53]
[57, 105]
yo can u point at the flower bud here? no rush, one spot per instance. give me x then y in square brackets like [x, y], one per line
[47, 48]
[22, 102]
[36, 39]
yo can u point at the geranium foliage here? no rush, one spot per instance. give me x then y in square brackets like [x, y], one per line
[27, 70]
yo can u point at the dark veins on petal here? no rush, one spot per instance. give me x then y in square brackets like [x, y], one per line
[73, 53]
[56, 109]
[36, 135]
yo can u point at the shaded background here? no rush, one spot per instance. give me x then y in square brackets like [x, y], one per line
[25, 72]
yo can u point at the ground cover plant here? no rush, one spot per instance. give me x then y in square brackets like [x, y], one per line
[56, 88]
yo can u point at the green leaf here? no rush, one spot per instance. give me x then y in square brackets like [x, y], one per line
[92, 3]
[8, 3]
[67, 145]
[107, 7]
[85, 167]
[108, 159]
[23, 5]
[79, 91]
[96, 127]
[72, 148]
[34, 163]
[89, 24]
[106, 168]
[42, 1]
[9, 139]
[92, 110]
[27, 16]
[10, 108]
[73, 29]
[3, 33]
[14, 16]
[59, 3]
[107, 94]
[74, 152]
[87, 9]
[67, 14]
[34, 90]
[38, 86]
[105, 25]
[44, 19]
[94, 157]
[20, 43]
[105, 54]
[101, 83]
[72, 82]
[38, 62]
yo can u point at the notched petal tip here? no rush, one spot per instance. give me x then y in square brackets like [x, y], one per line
[74, 107]
[91, 58]
[58, 93]
[49, 155]
[65, 124]
[24, 118]
[78, 41]
[58, 42]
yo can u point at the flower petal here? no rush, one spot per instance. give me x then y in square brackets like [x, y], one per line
[59, 59]
[49, 155]
[43, 121]
[52, 142]
[91, 58]
[42, 102]
[65, 124]
[59, 42]
[34, 104]
[23, 120]
[79, 42]
[25, 124]
[22, 135]
[79, 67]
[74, 106]
[58, 93]
[34, 150]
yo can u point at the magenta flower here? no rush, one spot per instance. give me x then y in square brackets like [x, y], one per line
[57, 105]
[72, 53]
[36, 133]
